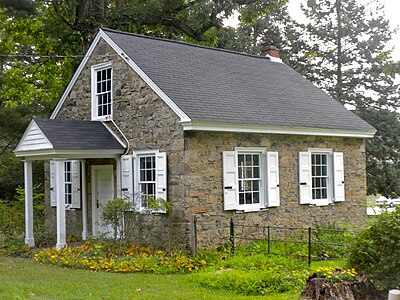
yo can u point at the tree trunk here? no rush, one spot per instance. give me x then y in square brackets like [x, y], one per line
[321, 289]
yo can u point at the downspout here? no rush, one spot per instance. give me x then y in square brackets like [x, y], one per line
[123, 135]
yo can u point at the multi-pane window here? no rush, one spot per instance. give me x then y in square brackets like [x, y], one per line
[67, 182]
[249, 178]
[102, 96]
[103, 92]
[147, 178]
[319, 175]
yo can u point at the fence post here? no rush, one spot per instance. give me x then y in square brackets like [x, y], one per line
[269, 240]
[193, 240]
[309, 246]
[232, 236]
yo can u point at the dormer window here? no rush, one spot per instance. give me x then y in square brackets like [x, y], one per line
[102, 91]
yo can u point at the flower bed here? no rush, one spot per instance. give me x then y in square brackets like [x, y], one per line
[121, 258]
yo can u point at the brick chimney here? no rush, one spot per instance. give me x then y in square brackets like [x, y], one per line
[270, 50]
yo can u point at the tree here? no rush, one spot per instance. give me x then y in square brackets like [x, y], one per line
[383, 152]
[347, 54]
[195, 21]
[31, 81]
[348, 58]
[276, 26]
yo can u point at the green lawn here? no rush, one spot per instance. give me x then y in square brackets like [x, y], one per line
[25, 279]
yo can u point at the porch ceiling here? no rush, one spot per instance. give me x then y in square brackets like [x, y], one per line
[74, 139]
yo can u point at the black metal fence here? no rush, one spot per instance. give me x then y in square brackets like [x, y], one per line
[318, 243]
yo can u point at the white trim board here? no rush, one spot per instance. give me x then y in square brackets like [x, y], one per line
[69, 154]
[204, 126]
[75, 76]
[101, 34]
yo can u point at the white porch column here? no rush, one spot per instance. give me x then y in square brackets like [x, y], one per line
[84, 200]
[28, 204]
[60, 194]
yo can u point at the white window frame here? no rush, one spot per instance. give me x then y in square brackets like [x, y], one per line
[269, 179]
[68, 194]
[130, 177]
[145, 181]
[95, 106]
[262, 193]
[335, 177]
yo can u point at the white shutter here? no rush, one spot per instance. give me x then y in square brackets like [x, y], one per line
[53, 183]
[229, 163]
[136, 189]
[127, 177]
[338, 176]
[273, 179]
[76, 183]
[161, 176]
[305, 186]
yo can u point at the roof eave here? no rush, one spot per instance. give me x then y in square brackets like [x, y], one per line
[208, 126]
[44, 154]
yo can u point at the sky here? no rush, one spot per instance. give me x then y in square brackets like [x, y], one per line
[392, 12]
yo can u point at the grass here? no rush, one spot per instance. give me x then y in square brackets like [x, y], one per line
[24, 279]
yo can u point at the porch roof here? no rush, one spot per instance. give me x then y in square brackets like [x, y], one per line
[52, 138]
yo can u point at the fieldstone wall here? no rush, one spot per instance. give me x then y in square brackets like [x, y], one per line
[148, 123]
[204, 187]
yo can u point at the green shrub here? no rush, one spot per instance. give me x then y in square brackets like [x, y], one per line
[113, 214]
[12, 221]
[14, 245]
[375, 251]
[329, 241]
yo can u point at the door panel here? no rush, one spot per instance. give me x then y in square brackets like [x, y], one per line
[103, 191]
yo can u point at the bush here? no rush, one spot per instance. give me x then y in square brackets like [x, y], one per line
[329, 241]
[375, 250]
[113, 214]
[12, 221]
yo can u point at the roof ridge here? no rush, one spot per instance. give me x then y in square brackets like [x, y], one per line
[185, 43]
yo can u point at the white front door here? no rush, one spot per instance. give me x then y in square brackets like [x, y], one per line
[102, 192]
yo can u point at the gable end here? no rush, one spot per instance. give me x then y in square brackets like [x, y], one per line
[102, 35]
[33, 139]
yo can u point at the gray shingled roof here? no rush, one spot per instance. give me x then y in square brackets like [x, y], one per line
[77, 134]
[214, 85]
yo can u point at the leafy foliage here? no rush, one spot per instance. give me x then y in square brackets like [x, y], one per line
[12, 223]
[348, 55]
[255, 274]
[383, 160]
[12, 214]
[375, 250]
[338, 275]
[113, 214]
[120, 258]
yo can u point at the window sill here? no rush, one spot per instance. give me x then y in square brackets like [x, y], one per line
[250, 210]
[103, 118]
[321, 204]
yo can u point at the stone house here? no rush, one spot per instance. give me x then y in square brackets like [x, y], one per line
[214, 132]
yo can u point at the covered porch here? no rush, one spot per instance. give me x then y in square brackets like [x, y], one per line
[69, 145]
